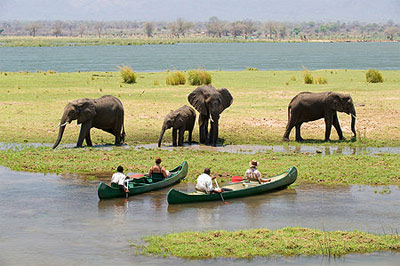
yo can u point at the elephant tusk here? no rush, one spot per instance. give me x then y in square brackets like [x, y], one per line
[211, 118]
[59, 125]
[354, 116]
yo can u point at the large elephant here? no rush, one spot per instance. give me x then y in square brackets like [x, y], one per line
[106, 113]
[210, 103]
[307, 106]
[182, 119]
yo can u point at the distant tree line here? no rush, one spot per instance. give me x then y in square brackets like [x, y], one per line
[214, 27]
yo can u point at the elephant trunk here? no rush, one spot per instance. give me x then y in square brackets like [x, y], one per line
[161, 136]
[353, 123]
[63, 123]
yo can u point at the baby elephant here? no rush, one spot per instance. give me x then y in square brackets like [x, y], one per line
[181, 119]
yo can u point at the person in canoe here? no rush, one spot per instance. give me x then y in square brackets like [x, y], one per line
[118, 179]
[158, 169]
[253, 174]
[204, 183]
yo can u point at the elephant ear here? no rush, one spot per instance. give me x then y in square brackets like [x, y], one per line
[87, 111]
[333, 101]
[198, 99]
[226, 99]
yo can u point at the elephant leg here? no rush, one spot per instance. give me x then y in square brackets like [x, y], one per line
[85, 129]
[203, 123]
[337, 127]
[289, 127]
[174, 135]
[88, 139]
[328, 127]
[298, 133]
[214, 133]
[190, 137]
[181, 134]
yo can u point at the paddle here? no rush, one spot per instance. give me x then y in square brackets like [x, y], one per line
[222, 197]
[237, 179]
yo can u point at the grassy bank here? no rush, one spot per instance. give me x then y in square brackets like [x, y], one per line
[264, 243]
[43, 41]
[31, 105]
[94, 162]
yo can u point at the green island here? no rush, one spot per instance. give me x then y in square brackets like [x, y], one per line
[248, 244]
[31, 105]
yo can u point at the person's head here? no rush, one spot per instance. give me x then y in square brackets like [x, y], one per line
[207, 171]
[158, 160]
[120, 169]
[253, 163]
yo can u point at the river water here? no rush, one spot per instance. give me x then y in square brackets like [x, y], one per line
[51, 219]
[212, 56]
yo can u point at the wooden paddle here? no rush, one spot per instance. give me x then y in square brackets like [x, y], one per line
[222, 197]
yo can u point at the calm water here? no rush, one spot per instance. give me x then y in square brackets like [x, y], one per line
[212, 56]
[50, 219]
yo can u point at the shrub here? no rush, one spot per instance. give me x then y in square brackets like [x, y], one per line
[374, 76]
[321, 80]
[175, 78]
[199, 77]
[127, 74]
[252, 69]
[308, 78]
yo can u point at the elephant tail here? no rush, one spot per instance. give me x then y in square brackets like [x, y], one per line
[288, 112]
[123, 134]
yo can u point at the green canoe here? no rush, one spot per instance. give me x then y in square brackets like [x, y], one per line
[144, 184]
[242, 189]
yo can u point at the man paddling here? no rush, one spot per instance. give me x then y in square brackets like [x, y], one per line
[118, 179]
[204, 183]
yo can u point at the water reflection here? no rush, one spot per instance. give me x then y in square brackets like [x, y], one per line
[53, 218]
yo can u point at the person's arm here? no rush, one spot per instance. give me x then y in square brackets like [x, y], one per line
[150, 171]
[164, 172]
[209, 186]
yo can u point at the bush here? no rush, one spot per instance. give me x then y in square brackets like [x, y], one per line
[321, 80]
[175, 78]
[199, 77]
[374, 76]
[252, 69]
[127, 74]
[308, 78]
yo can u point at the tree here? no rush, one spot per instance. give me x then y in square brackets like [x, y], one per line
[215, 27]
[33, 27]
[179, 27]
[148, 29]
[1, 30]
[81, 28]
[236, 28]
[391, 32]
[57, 28]
[99, 26]
[248, 28]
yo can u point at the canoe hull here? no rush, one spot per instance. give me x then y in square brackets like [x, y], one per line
[178, 197]
[104, 191]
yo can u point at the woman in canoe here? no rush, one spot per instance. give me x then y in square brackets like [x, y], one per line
[253, 174]
[158, 169]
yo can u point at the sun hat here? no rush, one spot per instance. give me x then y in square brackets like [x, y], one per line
[253, 163]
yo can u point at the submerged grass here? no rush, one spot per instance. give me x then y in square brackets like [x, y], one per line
[327, 170]
[247, 244]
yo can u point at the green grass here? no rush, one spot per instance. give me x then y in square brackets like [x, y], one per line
[247, 244]
[327, 170]
[31, 105]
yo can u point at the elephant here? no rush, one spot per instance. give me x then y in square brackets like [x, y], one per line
[106, 113]
[182, 119]
[308, 106]
[210, 103]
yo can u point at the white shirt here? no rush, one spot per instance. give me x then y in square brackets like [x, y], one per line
[204, 183]
[118, 178]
